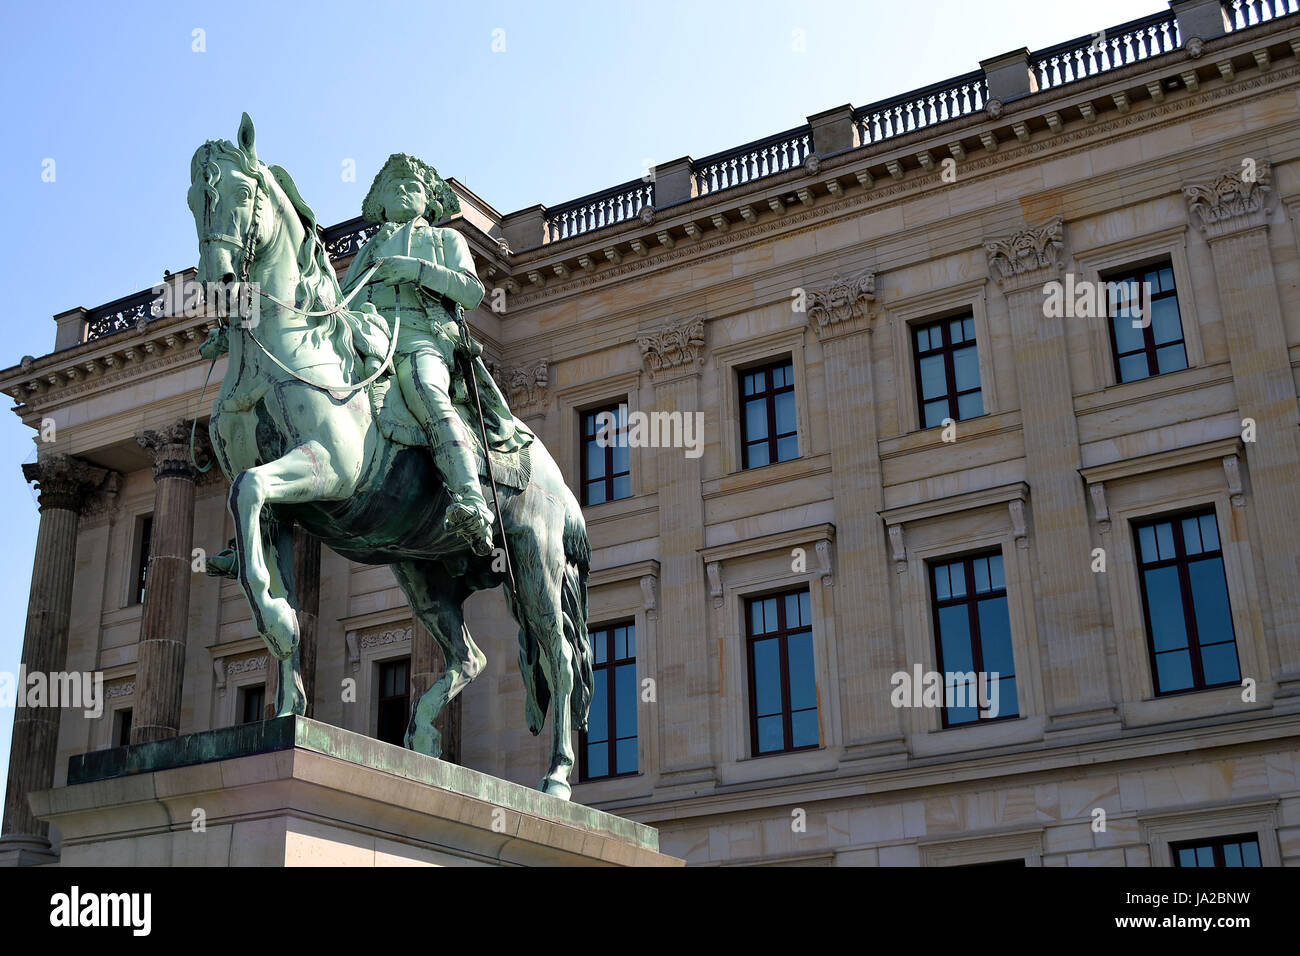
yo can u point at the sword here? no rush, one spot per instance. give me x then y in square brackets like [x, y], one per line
[487, 454]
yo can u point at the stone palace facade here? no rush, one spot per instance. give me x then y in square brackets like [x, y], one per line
[935, 439]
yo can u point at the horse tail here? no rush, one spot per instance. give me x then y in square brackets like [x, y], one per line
[573, 605]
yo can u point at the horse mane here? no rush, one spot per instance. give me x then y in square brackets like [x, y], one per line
[318, 286]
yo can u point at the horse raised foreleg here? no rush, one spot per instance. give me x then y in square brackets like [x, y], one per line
[298, 476]
[437, 600]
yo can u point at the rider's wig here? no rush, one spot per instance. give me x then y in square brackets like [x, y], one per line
[442, 201]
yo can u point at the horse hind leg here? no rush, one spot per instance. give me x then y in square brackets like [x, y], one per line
[542, 611]
[437, 601]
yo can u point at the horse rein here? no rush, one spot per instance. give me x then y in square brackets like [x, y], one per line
[248, 247]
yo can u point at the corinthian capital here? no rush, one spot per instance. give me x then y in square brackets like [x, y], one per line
[841, 305]
[63, 481]
[1232, 201]
[680, 345]
[170, 449]
[1030, 257]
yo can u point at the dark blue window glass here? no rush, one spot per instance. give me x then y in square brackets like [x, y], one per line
[947, 371]
[609, 744]
[1185, 599]
[769, 430]
[782, 680]
[972, 626]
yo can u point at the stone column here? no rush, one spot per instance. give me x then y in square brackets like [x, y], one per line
[1068, 609]
[64, 483]
[868, 650]
[1233, 214]
[673, 356]
[160, 665]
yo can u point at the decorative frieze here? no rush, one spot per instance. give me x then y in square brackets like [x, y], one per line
[382, 637]
[841, 305]
[526, 387]
[1231, 202]
[676, 346]
[1030, 257]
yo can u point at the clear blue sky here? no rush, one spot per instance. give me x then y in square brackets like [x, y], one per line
[582, 96]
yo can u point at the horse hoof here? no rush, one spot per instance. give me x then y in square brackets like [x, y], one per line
[556, 788]
[280, 628]
[428, 742]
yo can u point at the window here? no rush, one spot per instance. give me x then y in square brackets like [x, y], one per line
[252, 702]
[143, 536]
[972, 629]
[606, 464]
[394, 701]
[122, 727]
[1185, 600]
[609, 742]
[768, 430]
[1239, 850]
[782, 687]
[947, 371]
[1147, 296]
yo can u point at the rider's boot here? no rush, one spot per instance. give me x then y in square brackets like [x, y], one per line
[468, 515]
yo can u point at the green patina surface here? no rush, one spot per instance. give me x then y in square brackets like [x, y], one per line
[306, 428]
[288, 733]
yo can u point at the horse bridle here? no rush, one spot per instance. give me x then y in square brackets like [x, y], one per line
[248, 246]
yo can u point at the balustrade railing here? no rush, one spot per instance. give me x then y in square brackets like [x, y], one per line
[930, 106]
[605, 208]
[347, 238]
[756, 160]
[1105, 50]
[1247, 13]
[920, 109]
[122, 314]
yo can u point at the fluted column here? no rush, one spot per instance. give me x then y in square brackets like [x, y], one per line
[1065, 593]
[868, 651]
[1232, 211]
[64, 483]
[673, 356]
[160, 665]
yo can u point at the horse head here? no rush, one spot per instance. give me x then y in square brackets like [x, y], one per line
[228, 194]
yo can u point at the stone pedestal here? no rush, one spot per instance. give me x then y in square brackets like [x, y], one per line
[294, 792]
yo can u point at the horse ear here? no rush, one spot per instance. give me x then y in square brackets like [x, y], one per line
[247, 135]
